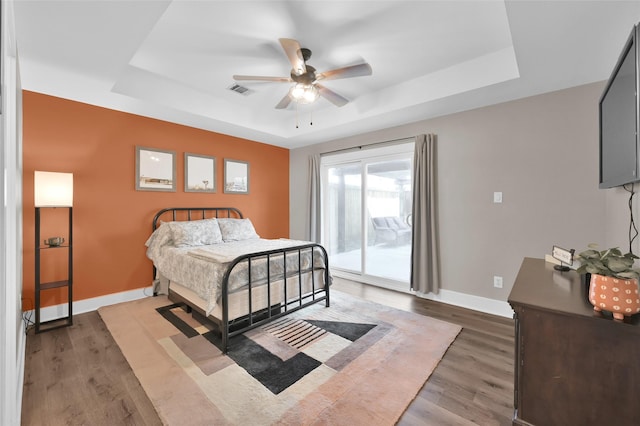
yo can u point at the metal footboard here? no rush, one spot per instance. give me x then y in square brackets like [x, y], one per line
[319, 291]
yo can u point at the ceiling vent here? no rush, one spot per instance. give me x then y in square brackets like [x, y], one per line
[240, 89]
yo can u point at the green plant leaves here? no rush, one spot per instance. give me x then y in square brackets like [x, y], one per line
[610, 262]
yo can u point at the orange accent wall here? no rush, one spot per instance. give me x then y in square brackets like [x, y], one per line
[111, 220]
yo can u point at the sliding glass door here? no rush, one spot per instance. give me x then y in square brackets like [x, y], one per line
[344, 216]
[367, 214]
[388, 204]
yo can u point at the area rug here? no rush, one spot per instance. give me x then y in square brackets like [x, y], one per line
[353, 363]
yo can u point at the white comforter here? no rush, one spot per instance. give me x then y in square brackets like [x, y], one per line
[201, 269]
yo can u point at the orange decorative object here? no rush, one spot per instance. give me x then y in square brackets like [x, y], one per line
[616, 295]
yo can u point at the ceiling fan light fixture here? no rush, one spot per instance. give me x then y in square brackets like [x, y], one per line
[306, 87]
[304, 93]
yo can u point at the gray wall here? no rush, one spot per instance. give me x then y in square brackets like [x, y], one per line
[541, 152]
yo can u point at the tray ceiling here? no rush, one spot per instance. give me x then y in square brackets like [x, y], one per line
[174, 60]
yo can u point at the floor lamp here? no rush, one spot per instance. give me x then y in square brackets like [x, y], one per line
[53, 190]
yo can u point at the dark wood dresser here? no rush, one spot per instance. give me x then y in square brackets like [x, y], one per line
[572, 366]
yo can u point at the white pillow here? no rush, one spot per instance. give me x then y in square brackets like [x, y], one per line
[160, 237]
[195, 233]
[237, 229]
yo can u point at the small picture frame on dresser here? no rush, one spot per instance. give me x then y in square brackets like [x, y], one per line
[564, 256]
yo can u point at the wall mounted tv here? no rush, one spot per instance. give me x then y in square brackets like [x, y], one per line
[619, 120]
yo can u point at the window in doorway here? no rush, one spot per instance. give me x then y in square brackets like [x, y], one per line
[366, 224]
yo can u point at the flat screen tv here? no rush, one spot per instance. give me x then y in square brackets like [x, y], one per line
[619, 143]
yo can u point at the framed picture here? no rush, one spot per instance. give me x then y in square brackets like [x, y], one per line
[155, 169]
[236, 177]
[199, 173]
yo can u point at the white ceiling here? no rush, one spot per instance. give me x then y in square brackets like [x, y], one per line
[174, 60]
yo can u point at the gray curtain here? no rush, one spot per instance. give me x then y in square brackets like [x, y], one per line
[314, 198]
[425, 257]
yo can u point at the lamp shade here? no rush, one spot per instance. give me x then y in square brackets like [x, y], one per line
[53, 189]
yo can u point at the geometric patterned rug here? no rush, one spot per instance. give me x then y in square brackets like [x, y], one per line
[279, 353]
[355, 362]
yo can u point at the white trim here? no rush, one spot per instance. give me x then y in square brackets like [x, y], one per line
[469, 301]
[22, 349]
[449, 297]
[368, 152]
[12, 338]
[463, 300]
[87, 305]
[388, 283]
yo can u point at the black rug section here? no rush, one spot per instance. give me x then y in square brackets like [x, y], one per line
[185, 328]
[274, 373]
[348, 330]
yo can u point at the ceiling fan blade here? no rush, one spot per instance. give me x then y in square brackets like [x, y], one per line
[346, 72]
[261, 78]
[292, 49]
[284, 102]
[332, 96]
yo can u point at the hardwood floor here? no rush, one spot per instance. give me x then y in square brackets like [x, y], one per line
[473, 383]
[78, 376]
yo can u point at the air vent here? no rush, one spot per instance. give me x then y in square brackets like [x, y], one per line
[240, 89]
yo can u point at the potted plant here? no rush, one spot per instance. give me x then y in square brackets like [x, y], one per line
[614, 281]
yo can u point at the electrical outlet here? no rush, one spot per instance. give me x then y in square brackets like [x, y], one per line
[497, 281]
[497, 197]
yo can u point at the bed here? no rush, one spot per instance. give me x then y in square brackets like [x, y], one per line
[211, 261]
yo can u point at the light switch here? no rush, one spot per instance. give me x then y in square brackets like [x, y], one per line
[497, 197]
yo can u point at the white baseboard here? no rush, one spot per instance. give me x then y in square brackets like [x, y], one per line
[22, 351]
[463, 300]
[87, 305]
[469, 301]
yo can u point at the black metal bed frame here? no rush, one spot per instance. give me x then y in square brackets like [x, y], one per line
[229, 329]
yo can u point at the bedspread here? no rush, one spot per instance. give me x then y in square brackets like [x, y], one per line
[201, 269]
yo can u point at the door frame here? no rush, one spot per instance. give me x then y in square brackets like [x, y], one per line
[363, 157]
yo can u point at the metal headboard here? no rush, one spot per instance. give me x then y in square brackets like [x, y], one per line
[197, 213]
[192, 213]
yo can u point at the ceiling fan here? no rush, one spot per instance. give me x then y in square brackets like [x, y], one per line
[307, 87]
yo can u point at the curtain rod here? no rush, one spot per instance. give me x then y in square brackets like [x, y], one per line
[354, 148]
